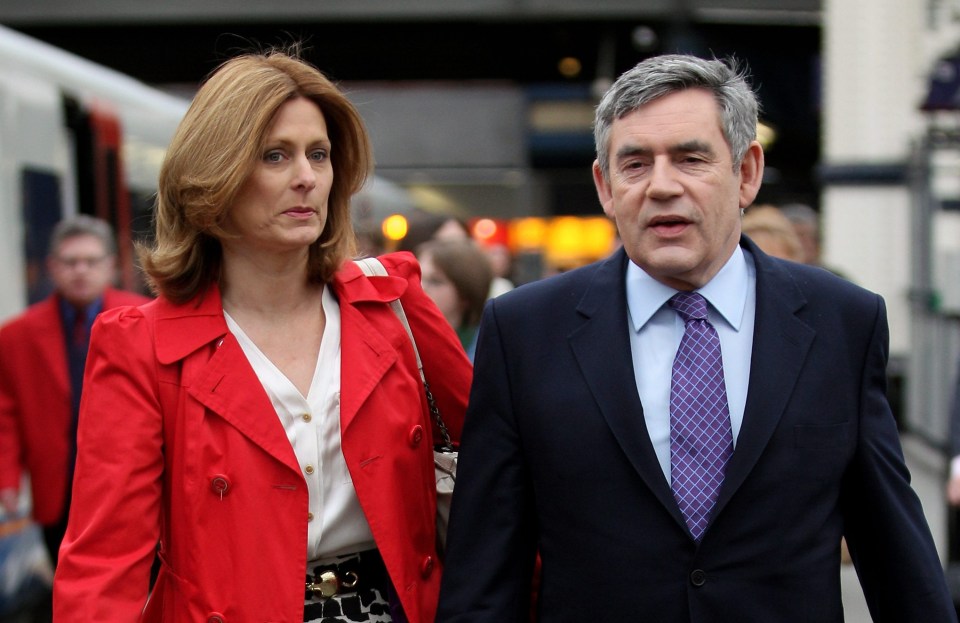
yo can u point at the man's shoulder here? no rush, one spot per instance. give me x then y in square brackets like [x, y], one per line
[819, 296]
[820, 282]
[37, 315]
[558, 296]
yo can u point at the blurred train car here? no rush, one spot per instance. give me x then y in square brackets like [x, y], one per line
[75, 137]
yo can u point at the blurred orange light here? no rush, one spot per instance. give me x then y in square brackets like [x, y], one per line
[527, 234]
[395, 227]
[574, 240]
[484, 229]
[490, 231]
[569, 67]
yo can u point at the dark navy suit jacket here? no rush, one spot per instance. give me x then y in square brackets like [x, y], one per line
[556, 458]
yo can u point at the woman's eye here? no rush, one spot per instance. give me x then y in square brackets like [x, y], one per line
[319, 155]
[273, 156]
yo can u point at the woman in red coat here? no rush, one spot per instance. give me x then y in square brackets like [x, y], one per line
[263, 420]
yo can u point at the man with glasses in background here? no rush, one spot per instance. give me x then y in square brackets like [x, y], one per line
[42, 355]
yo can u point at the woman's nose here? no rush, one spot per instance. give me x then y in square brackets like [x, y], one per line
[304, 177]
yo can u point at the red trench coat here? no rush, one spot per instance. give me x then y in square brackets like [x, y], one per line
[36, 412]
[179, 443]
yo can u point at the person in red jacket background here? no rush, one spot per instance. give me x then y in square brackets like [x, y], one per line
[42, 355]
[264, 418]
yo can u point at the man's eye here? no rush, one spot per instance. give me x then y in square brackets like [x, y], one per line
[633, 169]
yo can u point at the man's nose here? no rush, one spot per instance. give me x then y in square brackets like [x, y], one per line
[663, 181]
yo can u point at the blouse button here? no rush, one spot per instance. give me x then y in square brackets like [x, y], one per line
[416, 436]
[308, 469]
[309, 516]
[307, 417]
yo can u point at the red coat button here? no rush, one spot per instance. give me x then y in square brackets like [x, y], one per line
[215, 617]
[220, 484]
[416, 436]
[426, 567]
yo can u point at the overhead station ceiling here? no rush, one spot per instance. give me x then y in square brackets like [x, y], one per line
[520, 40]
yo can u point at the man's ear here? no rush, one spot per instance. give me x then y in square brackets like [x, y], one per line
[751, 174]
[604, 191]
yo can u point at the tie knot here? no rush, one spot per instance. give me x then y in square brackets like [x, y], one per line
[690, 306]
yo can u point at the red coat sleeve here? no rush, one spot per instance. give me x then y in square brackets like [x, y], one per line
[114, 527]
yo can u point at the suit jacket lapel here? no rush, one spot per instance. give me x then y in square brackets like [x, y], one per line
[601, 346]
[781, 342]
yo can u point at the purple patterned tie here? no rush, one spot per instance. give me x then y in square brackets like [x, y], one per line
[701, 441]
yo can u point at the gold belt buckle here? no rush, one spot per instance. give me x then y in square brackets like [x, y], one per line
[330, 584]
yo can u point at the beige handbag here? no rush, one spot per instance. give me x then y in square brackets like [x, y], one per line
[444, 454]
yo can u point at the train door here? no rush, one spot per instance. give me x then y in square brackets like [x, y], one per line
[101, 186]
[34, 173]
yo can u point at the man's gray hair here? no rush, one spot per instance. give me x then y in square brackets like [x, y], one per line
[661, 75]
[83, 225]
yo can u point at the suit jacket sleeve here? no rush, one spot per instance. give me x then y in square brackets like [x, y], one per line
[886, 530]
[492, 539]
[111, 540]
[955, 418]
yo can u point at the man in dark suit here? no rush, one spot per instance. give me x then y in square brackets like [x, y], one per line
[685, 430]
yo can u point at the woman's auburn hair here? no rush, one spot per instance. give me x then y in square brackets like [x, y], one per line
[216, 148]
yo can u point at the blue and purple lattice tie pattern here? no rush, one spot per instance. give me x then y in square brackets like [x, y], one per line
[701, 441]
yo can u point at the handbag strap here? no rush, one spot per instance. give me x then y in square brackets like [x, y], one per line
[372, 266]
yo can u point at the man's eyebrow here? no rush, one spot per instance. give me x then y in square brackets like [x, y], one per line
[691, 147]
[628, 151]
[687, 147]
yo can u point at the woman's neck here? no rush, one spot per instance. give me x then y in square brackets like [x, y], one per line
[277, 286]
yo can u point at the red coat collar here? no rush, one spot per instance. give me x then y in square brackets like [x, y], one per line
[184, 328]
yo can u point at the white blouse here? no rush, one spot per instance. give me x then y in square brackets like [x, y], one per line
[336, 524]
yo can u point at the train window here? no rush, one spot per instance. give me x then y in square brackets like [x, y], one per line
[40, 203]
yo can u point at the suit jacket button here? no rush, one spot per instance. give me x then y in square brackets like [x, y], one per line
[698, 577]
[426, 567]
[416, 436]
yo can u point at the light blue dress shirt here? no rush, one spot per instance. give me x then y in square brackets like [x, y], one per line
[655, 336]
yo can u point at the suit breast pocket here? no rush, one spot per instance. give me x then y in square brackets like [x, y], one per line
[821, 436]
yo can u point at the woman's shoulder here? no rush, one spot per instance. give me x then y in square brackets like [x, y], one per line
[400, 263]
